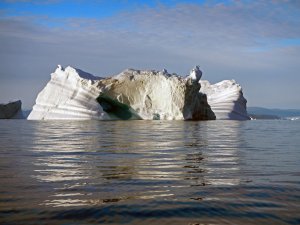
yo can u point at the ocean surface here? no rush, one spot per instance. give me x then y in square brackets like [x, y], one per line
[149, 172]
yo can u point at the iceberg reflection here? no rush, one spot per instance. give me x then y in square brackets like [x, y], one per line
[91, 163]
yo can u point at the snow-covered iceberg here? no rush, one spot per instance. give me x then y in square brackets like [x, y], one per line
[12, 110]
[226, 99]
[132, 94]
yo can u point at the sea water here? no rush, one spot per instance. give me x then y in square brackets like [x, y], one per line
[149, 172]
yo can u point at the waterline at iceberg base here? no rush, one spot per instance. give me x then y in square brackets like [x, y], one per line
[73, 94]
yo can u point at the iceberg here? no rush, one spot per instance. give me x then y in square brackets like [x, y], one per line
[133, 94]
[12, 110]
[72, 94]
[226, 99]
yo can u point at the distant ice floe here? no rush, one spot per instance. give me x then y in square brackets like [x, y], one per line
[292, 118]
[11, 110]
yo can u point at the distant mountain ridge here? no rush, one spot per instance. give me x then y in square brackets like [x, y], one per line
[282, 113]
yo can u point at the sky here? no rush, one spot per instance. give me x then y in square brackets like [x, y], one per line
[256, 43]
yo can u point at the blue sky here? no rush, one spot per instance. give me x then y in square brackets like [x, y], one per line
[257, 43]
[81, 8]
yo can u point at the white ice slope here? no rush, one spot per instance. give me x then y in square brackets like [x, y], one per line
[70, 94]
[226, 99]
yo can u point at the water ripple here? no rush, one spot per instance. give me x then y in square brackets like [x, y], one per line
[169, 172]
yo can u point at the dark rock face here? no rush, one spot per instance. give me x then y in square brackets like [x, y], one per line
[10, 110]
